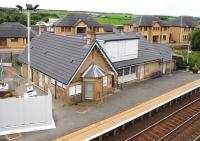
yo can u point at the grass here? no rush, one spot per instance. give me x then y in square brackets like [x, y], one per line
[115, 19]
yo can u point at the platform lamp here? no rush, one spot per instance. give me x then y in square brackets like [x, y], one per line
[29, 8]
[188, 54]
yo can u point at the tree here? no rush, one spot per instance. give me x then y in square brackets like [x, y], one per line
[195, 39]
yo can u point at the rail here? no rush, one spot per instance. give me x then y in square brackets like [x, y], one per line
[174, 113]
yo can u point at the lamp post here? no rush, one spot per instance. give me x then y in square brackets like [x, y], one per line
[188, 53]
[29, 8]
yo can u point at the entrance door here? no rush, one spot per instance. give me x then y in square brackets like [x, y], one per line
[164, 68]
[89, 90]
[155, 39]
[142, 72]
[81, 29]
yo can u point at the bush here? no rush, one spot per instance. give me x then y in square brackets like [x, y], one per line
[195, 39]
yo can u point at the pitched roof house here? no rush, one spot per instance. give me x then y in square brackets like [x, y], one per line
[181, 27]
[13, 35]
[76, 23]
[157, 31]
[151, 27]
[71, 68]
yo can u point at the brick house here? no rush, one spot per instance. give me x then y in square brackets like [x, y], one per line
[77, 23]
[181, 28]
[151, 27]
[75, 69]
[157, 31]
[13, 36]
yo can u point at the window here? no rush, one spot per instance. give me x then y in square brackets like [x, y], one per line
[164, 37]
[185, 37]
[62, 29]
[145, 28]
[120, 72]
[67, 29]
[164, 28]
[132, 69]
[46, 79]
[126, 71]
[14, 39]
[105, 81]
[74, 90]
[96, 29]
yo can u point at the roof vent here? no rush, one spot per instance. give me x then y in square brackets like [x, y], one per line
[71, 60]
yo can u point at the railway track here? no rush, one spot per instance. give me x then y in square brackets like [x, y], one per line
[170, 124]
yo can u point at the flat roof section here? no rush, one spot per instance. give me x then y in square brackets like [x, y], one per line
[104, 126]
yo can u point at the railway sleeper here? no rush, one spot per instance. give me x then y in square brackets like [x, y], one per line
[149, 136]
[158, 132]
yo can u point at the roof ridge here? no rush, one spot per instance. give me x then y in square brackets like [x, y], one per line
[140, 20]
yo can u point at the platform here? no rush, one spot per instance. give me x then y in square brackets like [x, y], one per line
[104, 126]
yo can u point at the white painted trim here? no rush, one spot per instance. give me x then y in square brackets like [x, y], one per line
[81, 64]
[134, 117]
[86, 71]
[109, 62]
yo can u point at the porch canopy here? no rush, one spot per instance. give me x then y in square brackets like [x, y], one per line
[93, 71]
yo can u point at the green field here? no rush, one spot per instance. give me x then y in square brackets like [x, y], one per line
[13, 15]
[115, 19]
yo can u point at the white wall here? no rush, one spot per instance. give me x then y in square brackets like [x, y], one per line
[121, 50]
[26, 114]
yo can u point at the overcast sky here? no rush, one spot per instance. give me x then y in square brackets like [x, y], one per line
[154, 7]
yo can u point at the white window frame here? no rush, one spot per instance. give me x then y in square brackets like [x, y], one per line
[46, 79]
[75, 90]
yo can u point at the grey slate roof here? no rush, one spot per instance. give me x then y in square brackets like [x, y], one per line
[146, 20]
[147, 53]
[117, 36]
[59, 56]
[13, 29]
[184, 21]
[108, 28]
[56, 56]
[72, 19]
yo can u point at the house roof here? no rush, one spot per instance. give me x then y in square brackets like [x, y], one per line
[117, 36]
[146, 20]
[108, 28]
[13, 29]
[59, 57]
[93, 71]
[71, 19]
[147, 53]
[184, 21]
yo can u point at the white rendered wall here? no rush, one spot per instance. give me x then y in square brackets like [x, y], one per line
[121, 50]
[26, 114]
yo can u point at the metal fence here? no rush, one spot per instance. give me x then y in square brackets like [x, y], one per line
[19, 114]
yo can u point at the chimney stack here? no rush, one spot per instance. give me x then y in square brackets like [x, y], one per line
[90, 37]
